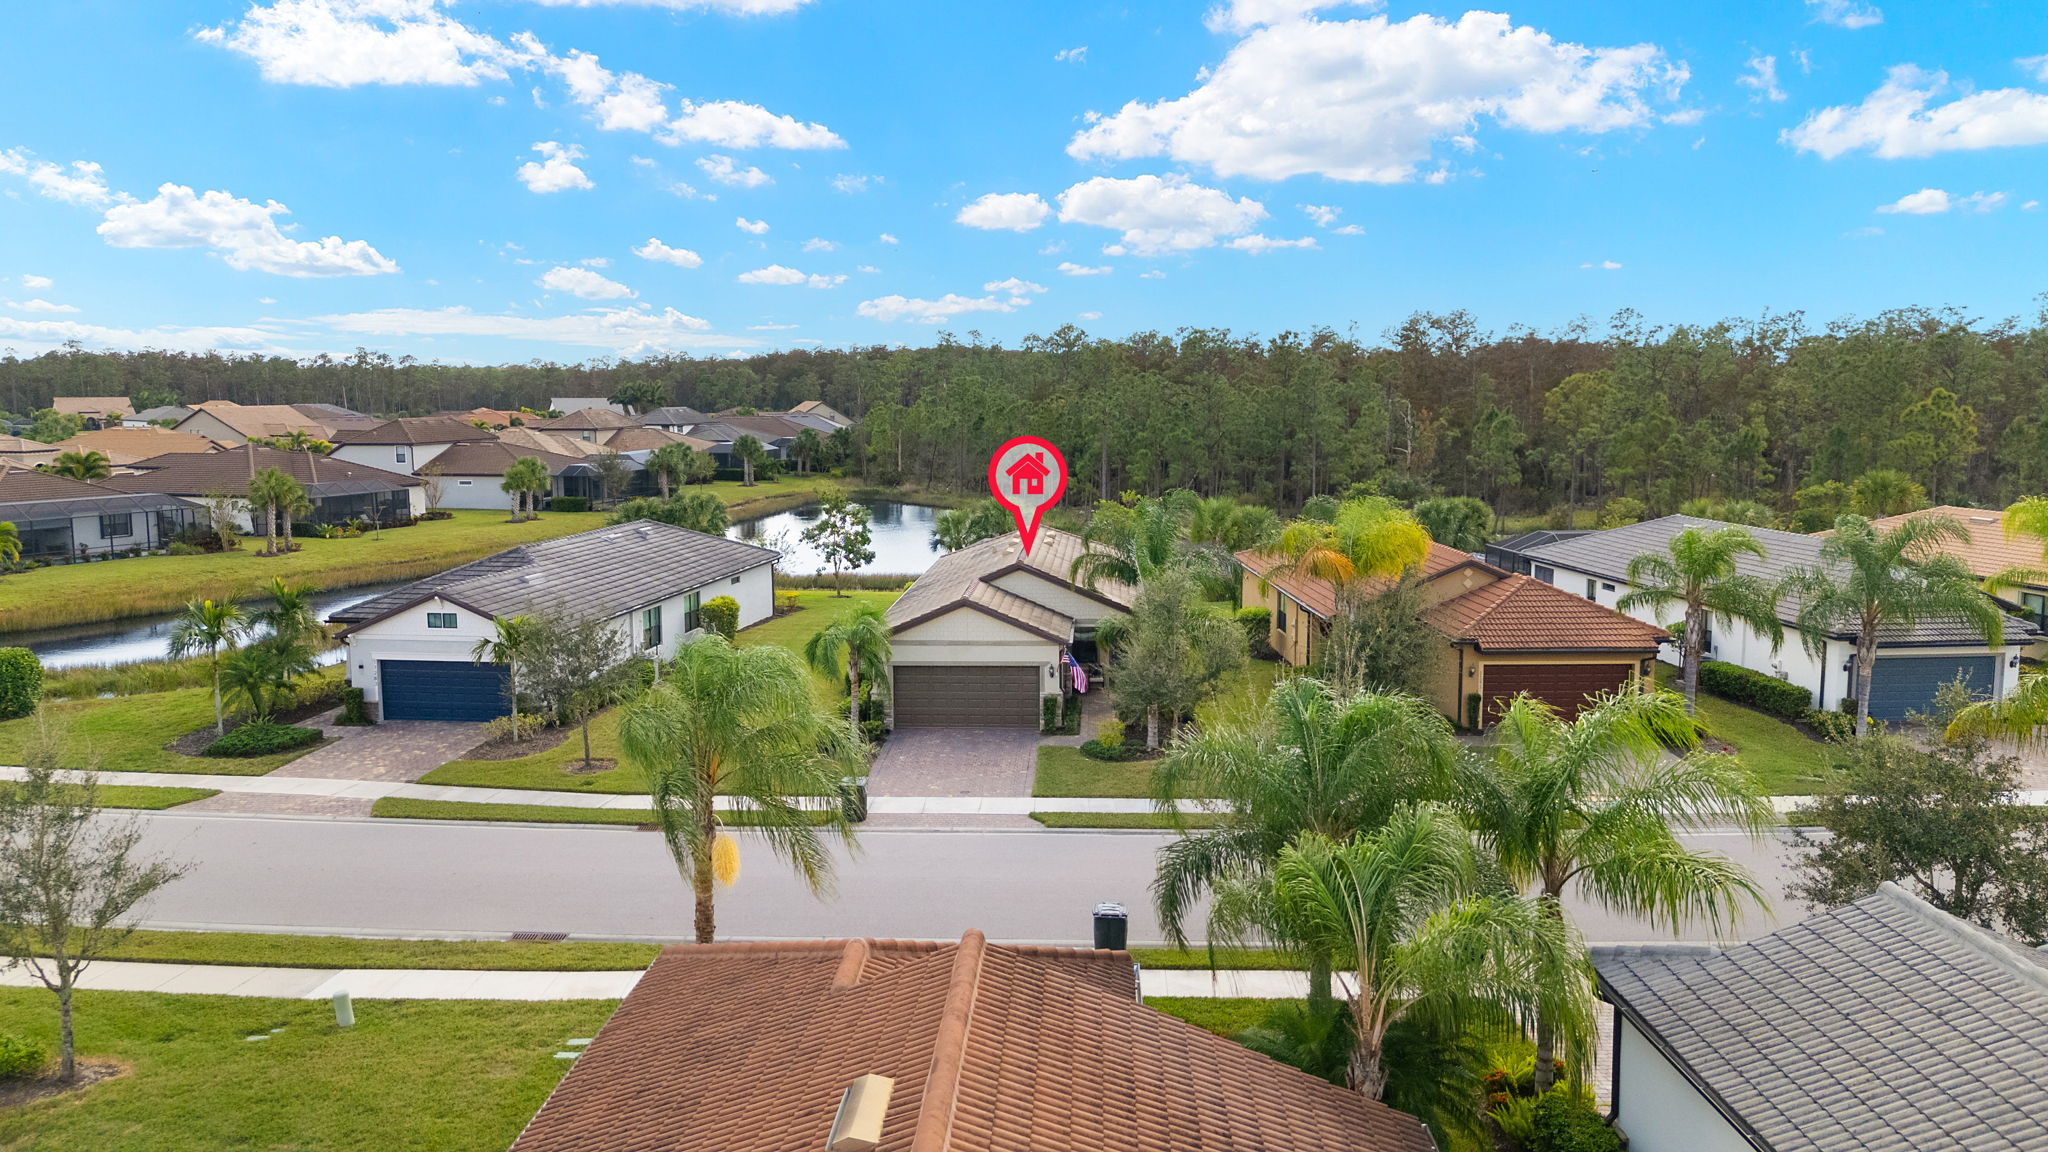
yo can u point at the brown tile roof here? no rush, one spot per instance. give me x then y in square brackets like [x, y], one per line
[17, 446]
[645, 439]
[585, 420]
[1988, 551]
[1319, 596]
[966, 577]
[127, 445]
[414, 430]
[993, 1048]
[1522, 614]
[262, 419]
[490, 458]
[530, 439]
[92, 405]
[190, 474]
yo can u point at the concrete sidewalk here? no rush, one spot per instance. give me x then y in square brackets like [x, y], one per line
[448, 984]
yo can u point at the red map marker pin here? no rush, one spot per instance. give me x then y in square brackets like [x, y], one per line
[1027, 476]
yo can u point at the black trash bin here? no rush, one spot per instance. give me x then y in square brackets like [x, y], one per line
[1112, 926]
[853, 798]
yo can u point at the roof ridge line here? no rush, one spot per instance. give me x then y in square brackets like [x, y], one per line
[941, 1096]
[1991, 945]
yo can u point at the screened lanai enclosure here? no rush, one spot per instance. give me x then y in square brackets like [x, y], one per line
[112, 524]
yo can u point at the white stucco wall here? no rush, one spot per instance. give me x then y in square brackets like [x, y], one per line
[965, 637]
[387, 456]
[475, 492]
[1085, 612]
[1660, 1109]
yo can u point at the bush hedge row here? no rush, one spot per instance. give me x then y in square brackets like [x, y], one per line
[1758, 690]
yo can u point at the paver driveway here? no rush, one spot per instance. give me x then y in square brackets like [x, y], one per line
[400, 750]
[956, 762]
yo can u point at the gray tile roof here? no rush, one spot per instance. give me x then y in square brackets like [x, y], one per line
[1883, 1026]
[1606, 554]
[608, 570]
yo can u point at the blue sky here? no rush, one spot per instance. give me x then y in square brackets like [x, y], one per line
[497, 180]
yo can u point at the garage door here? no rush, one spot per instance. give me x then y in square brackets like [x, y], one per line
[1563, 686]
[443, 690]
[957, 696]
[1903, 684]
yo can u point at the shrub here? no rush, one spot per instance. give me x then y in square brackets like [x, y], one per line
[1839, 727]
[1049, 715]
[1110, 732]
[873, 730]
[787, 601]
[1760, 691]
[1622, 511]
[21, 682]
[261, 738]
[1473, 703]
[501, 730]
[1566, 1122]
[569, 504]
[20, 1057]
[354, 713]
[1257, 623]
[1097, 750]
[180, 548]
[721, 614]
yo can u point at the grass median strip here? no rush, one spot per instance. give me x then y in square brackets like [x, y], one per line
[267, 950]
[405, 808]
[1117, 820]
[149, 799]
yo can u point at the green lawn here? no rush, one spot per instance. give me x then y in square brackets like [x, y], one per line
[269, 950]
[1063, 771]
[547, 769]
[1222, 1015]
[1224, 958]
[113, 589]
[1784, 760]
[1242, 695]
[401, 808]
[127, 734]
[149, 799]
[422, 1075]
[1119, 820]
[819, 608]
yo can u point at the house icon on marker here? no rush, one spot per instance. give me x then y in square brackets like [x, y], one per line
[1027, 475]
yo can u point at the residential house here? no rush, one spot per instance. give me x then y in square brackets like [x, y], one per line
[1505, 634]
[569, 404]
[821, 410]
[1509, 554]
[340, 492]
[775, 433]
[156, 417]
[230, 423]
[471, 474]
[26, 453]
[59, 518]
[122, 445]
[495, 417]
[405, 444]
[561, 444]
[676, 418]
[649, 439]
[337, 418]
[908, 1046]
[411, 650]
[1885, 1025]
[590, 424]
[1988, 552]
[96, 408]
[984, 634]
[1912, 663]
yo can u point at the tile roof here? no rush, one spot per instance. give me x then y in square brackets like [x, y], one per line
[127, 445]
[609, 570]
[1988, 551]
[1884, 1025]
[414, 430]
[92, 405]
[993, 1048]
[643, 439]
[1606, 554]
[584, 420]
[262, 419]
[490, 458]
[967, 576]
[1320, 596]
[820, 408]
[165, 412]
[674, 414]
[26, 494]
[538, 441]
[228, 472]
[17, 446]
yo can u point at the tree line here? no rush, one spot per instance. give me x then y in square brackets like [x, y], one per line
[1752, 410]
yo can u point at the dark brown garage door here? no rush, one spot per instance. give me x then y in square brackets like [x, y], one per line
[1563, 686]
[959, 696]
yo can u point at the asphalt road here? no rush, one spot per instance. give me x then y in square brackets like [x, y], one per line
[394, 878]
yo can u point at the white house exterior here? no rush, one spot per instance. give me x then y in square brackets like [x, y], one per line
[411, 650]
[982, 637]
[405, 445]
[1911, 663]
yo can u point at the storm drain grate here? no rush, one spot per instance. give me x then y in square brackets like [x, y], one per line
[539, 937]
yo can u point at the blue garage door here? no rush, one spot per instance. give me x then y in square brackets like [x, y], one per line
[443, 690]
[1903, 684]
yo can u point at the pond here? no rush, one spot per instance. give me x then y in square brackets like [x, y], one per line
[140, 638]
[902, 538]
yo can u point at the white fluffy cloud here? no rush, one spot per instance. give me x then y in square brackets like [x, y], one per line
[1014, 287]
[1762, 78]
[889, 309]
[36, 305]
[1935, 201]
[1845, 13]
[625, 331]
[726, 170]
[1370, 100]
[756, 227]
[1158, 215]
[1069, 268]
[1011, 211]
[244, 233]
[344, 43]
[36, 336]
[1900, 119]
[618, 101]
[782, 276]
[818, 244]
[82, 182]
[1078, 55]
[32, 281]
[680, 257]
[1602, 266]
[731, 124]
[1245, 15]
[556, 171]
[735, 7]
[851, 182]
[1321, 215]
[886, 238]
[1259, 242]
[584, 284]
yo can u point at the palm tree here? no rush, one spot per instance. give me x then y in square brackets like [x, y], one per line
[670, 463]
[1698, 572]
[857, 643]
[290, 616]
[526, 479]
[1399, 908]
[1314, 762]
[263, 675]
[207, 626]
[740, 722]
[292, 503]
[1366, 538]
[1597, 802]
[2019, 717]
[270, 494]
[748, 448]
[1127, 542]
[1219, 528]
[1870, 580]
[10, 542]
[2027, 517]
[87, 465]
[507, 644]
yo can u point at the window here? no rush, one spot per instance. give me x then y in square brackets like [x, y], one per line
[1589, 590]
[1280, 617]
[401, 455]
[1606, 587]
[2036, 605]
[464, 483]
[1546, 574]
[440, 619]
[650, 627]
[112, 527]
[692, 619]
